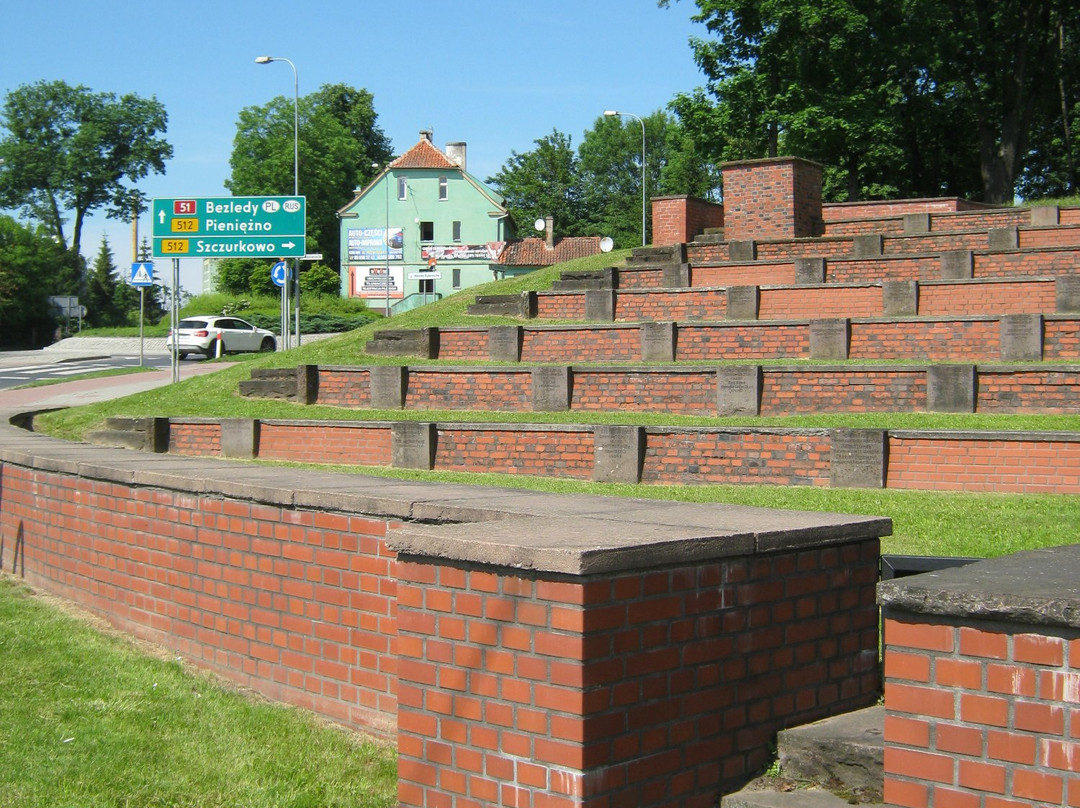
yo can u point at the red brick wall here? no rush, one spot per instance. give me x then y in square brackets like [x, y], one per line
[769, 199]
[651, 688]
[682, 391]
[968, 463]
[297, 605]
[348, 442]
[980, 714]
[1043, 463]
[678, 219]
[431, 387]
[850, 389]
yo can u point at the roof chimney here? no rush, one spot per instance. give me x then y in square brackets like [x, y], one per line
[456, 152]
[549, 232]
[425, 134]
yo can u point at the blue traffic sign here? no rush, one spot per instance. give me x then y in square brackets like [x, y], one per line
[142, 273]
[279, 272]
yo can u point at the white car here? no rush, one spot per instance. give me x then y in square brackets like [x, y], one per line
[212, 335]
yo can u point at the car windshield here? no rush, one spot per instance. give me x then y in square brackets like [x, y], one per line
[192, 324]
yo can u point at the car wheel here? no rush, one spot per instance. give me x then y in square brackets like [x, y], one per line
[268, 345]
[182, 354]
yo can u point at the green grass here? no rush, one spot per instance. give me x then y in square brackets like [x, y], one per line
[925, 523]
[88, 718]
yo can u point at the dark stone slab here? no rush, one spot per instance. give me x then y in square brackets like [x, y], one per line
[618, 452]
[916, 223]
[1021, 338]
[950, 388]
[743, 302]
[1003, 238]
[830, 338]
[599, 305]
[809, 271]
[388, 383]
[551, 388]
[858, 458]
[1036, 587]
[900, 298]
[504, 343]
[1067, 294]
[742, 251]
[413, 445]
[869, 245]
[738, 390]
[658, 342]
[239, 438]
[957, 265]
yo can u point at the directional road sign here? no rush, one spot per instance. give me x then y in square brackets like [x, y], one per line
[230, 227]
[142, 273]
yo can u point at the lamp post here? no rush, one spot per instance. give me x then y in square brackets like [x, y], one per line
[263, 60]
[612, 113]
[386, 235]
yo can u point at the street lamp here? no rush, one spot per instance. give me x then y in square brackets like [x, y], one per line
[263, 60]
[612, 113]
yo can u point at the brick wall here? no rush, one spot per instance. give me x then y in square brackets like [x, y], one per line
[932, 460]
[982, 676]
[297, 604]
[649, 688]
[770, 199]
[678, 219]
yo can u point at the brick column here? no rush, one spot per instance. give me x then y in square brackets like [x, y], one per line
[772, 199]
[580, 668]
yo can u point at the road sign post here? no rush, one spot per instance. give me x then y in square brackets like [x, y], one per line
[142, 275]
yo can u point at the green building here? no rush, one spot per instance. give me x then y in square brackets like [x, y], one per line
[425, 228]
[422, 229]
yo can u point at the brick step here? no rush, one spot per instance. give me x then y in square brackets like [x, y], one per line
[870, 245]
[923, 460]
[1025, 295]
[831, 763]
[1048, 338]
[697, 390]
[949, 265]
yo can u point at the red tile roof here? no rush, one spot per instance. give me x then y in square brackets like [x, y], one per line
[534, 252]
[424, 155]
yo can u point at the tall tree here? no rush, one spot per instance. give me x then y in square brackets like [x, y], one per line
[69, 151]
[339, 140]
[100, 297]
[543, 182]
[28, 264]
[892, 97]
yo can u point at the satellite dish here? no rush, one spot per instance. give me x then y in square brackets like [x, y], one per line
[606, 244]
[539, 225]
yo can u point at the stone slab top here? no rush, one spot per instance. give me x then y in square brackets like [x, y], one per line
[1037, 587]
[576, 534]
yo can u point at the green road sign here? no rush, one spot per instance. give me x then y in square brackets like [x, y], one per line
[230, 227]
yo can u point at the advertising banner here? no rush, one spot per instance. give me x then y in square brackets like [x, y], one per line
[375, 243]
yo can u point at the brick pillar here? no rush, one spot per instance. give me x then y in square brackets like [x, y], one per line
[678, 219]
[585, 669]
[772, 199]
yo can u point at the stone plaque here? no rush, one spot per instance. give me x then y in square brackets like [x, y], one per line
[957, 265]
[742, 250]
[1045, 216]
[599, 305]
[504, 343]
[413, 445]
[658, 342]
[239, 438]
[870, 245]
[916, 223]
[1067, 294]
[618, 452]
[551, 388]
[676, 276]
[950, 388]
[1021, 337]
[742, 302]
[388, 386]
[738, 390]
[1004, 238]
[809, 271]
[858, 458]
[829, 338]
[900, 298]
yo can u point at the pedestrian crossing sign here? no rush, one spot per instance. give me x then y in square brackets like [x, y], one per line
[142, 273]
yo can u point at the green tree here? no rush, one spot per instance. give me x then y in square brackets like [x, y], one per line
[100, 297]
[339, 140]
[916, 97]
[543, 182]
[320, 280]
[28, 264]
[69, 151]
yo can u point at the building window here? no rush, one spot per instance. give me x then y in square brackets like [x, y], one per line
[457, 231]
[457, 277]
[442, 189]
[427, 286]
[427, 231]
[402, 189]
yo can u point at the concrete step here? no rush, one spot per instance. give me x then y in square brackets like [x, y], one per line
[834, 762]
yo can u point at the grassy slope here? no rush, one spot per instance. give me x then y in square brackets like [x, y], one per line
[925, 522]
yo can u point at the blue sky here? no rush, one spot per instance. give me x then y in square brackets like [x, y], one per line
[497, 74]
